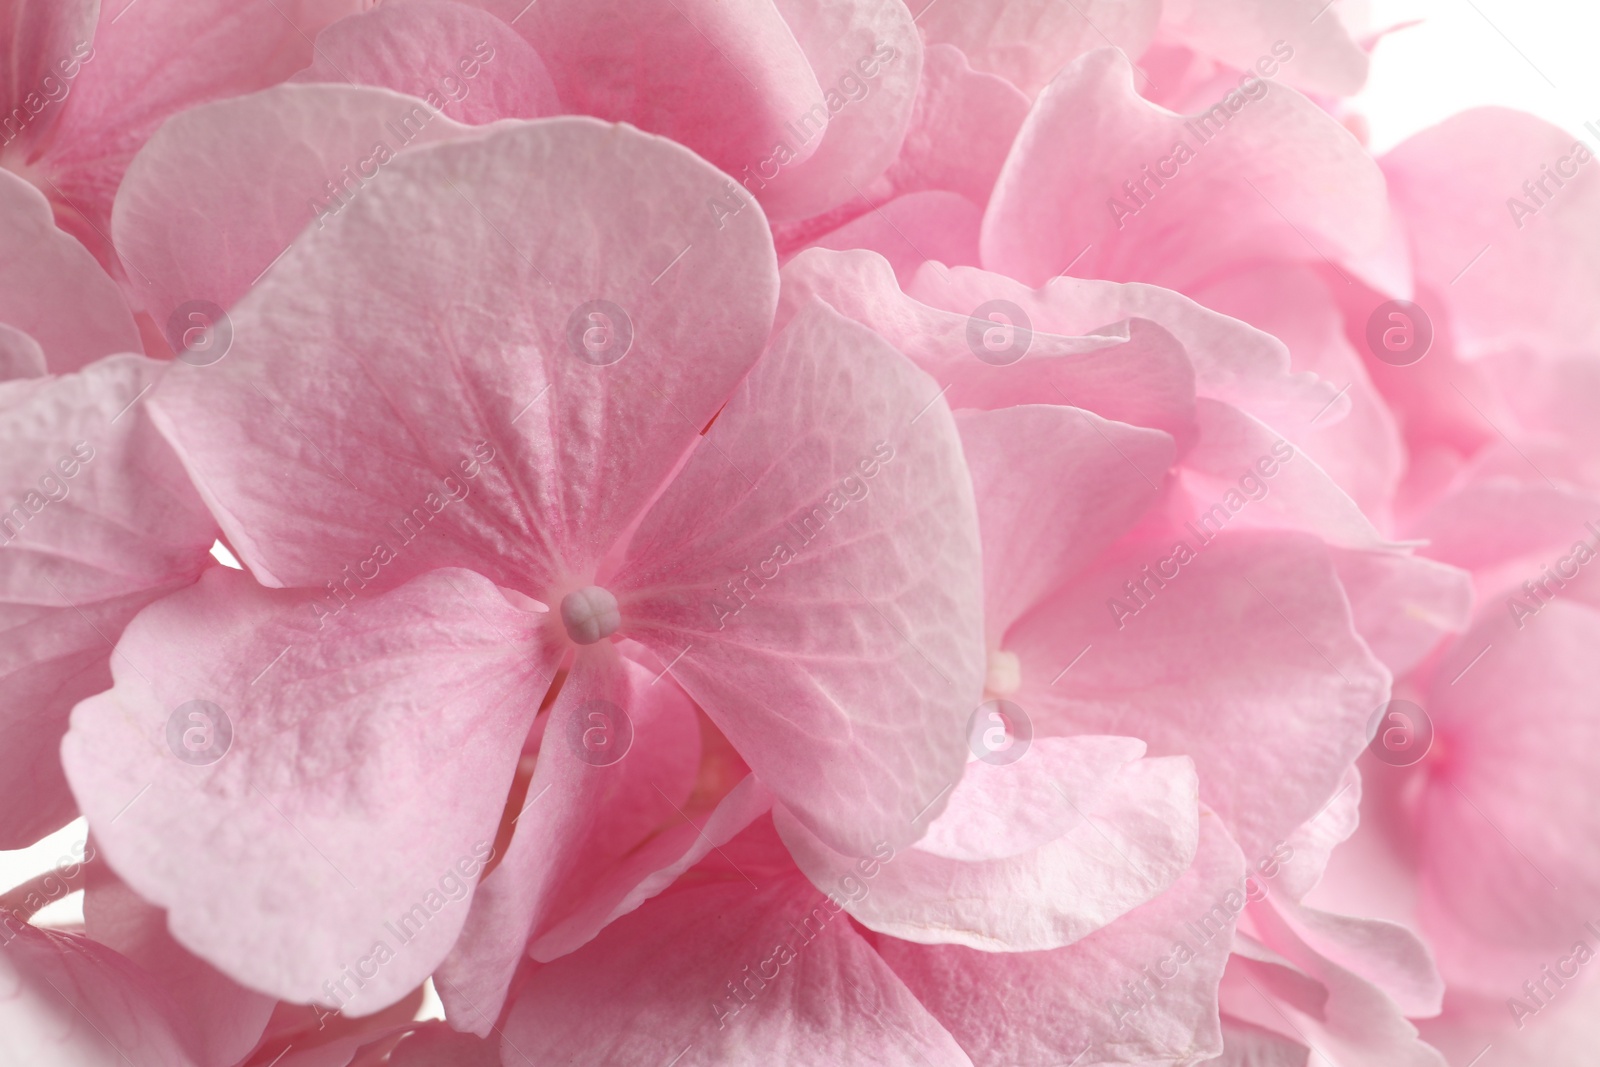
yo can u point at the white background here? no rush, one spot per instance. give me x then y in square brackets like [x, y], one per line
[1535, 55]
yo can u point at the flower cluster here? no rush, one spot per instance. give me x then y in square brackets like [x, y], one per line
[813, 532]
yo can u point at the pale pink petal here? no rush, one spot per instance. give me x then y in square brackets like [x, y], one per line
[155, 60]
[151, 63]
[222, 1021]
[1298, 186]
[1125, 850]
[1056, 486]
[222, 190]
[1304, 996]
[1404, 606]
[1133, 372]
[724, 79]
[1359, 447]
[67, 1002]
[342, 829]
[1245, 1045]
[653, 868]
[459, 59]
[1561, 1034]
[1227, 485]
[1045, 1008]
[1251, 637]
[309, 1036]
[1516, 737]
[587, 806]
[1386, 954]
[1551, 399]
[910, 230]
[1301, 862]
[832, 492]
[44, 42]
[1029, 41]
[52, 289]
[1231, 360]
[810, 990]
[961, 128]
[100, 521]
[1519, 200]
[436, 1045]
[867, 57]
[1469, 528]
[20, 355]
[528, 454]
[1002, 810]
[1300, 42]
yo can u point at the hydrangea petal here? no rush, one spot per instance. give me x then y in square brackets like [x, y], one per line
[1518, 200]
[20, 355]
[653, 868]
[1322, 55]
[581, 815]
[460, 59]
[724, 79]
[222, 1021]
[330, 852]
[870, 47]
[961, 128]
[1516, 744]
[1077, 999]
[1298, 186]
[1235, 446]
[152, 62]
[659, 981]
[1134, 371]
[910, 230]
[832, 493]
[1029, 41]
[1251, 637]
[52, 289]
[1056, 486]
[1129, 848]
[561, 445]
[69, 1002]
[222, 190]
[42, 40]
[99, 522]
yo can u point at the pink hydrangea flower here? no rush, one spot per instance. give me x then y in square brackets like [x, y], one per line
[991, 532]
[808, 572]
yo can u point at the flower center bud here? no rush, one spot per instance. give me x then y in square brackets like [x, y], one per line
[1004, 676]
[590, 614]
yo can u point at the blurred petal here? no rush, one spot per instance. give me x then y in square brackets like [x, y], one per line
[52, 289]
